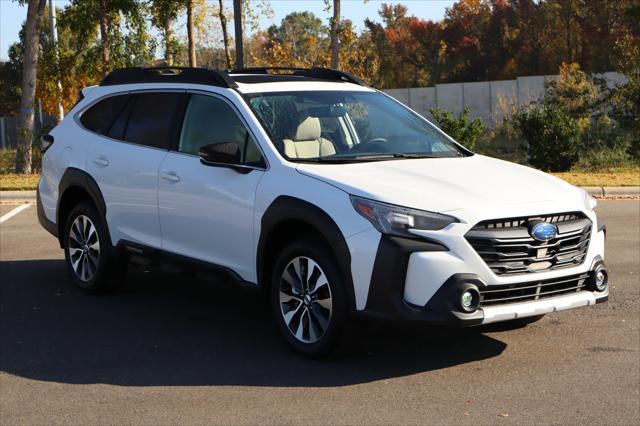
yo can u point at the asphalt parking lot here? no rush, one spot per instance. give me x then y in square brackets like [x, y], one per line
[169, 348]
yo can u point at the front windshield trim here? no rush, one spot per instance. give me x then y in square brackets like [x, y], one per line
[339, 159]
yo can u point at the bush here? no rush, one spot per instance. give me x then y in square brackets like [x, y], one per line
[8, 160]
[552, 136]
[601, 159]
[461, 129]
[503, 142]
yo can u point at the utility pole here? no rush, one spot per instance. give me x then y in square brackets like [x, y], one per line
[237, 23]
[54, 40]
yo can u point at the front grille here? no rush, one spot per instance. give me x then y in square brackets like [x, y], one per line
[507, 248]
[534, 290]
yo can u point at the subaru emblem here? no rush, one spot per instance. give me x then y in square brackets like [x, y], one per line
[543, 231]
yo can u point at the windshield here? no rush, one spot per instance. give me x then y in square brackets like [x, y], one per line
[334, 126]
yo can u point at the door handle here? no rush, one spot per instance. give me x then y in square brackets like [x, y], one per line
[101, 161]
[170, 176]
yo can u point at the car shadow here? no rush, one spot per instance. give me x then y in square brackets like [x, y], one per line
[165, 328]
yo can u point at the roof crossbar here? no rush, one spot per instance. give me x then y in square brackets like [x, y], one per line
[215, 77]
[316, 72]
[169, 75]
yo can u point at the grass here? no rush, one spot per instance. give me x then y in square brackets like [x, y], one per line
[609, 177]
[14, 182]
[626, 177]
[621, 176]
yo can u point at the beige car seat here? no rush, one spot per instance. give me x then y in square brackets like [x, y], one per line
[308, 142]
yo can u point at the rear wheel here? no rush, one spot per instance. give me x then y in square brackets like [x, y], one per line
[308, 298]
[91, 261]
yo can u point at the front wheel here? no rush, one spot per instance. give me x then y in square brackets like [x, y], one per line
[308, 298]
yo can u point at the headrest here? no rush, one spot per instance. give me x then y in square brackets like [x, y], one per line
[309, 129]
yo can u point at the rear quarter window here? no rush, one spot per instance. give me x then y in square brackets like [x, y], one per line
[101, 116]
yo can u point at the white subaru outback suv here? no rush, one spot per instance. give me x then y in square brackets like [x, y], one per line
[331, 196]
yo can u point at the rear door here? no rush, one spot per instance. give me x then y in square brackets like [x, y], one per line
[206, 212]
[124, 156]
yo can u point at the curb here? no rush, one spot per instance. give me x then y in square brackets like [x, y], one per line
[613, 191]
[595, 191]
[16, 196]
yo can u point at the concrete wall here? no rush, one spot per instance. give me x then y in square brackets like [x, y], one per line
[491, 101]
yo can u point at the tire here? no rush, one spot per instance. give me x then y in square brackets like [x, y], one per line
[91, 261]
[311, 313]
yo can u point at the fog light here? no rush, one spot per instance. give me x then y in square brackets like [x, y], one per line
[601, 279]
[469, 300]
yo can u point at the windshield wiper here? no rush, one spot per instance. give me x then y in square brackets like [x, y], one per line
[362, 158]
[403, 155]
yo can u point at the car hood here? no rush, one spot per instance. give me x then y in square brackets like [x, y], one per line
[447, 184]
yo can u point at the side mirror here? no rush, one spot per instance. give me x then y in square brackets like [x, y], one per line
[225, 154]
[45, 142]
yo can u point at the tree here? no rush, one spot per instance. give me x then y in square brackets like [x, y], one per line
[335, 42]
[626, 97]
[163, 15]
[35, 10]
[405, 46]
[9, 89]
[358, 54]
[300, 40]
[190, 35]
[225, 33]
[573, 91]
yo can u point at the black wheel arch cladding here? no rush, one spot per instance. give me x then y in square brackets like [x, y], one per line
[287, 208]
[76, 178]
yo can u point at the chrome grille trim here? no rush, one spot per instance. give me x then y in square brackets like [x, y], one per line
[507, 248]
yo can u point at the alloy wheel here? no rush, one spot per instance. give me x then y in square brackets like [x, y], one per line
[84, 248]
[305, 299]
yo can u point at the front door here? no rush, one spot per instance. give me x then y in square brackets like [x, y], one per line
[206, 212]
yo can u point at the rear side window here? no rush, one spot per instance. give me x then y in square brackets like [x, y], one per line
[101, 116]
[154, 119]
[120, 123]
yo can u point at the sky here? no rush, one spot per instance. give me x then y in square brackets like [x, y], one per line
[12, 15]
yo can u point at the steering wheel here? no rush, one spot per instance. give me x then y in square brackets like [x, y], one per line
[375, 144]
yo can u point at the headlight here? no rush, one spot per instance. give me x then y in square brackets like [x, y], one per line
[395, 220]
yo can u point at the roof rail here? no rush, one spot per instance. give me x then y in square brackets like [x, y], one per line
[316, 72]
[169, 75]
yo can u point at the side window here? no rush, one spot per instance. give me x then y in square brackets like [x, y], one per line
[210, 120]
[155, 118]
[120, 123]
[101, 116]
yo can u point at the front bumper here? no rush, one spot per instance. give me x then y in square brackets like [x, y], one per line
[539, 307]
[422, 280]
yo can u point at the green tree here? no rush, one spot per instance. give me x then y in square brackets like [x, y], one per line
[164, 13]
[552, 136]
[118, 29]
[461, 128]
[299, 40]
[35, 10]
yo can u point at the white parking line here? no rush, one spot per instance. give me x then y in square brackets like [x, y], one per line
[14, 212]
